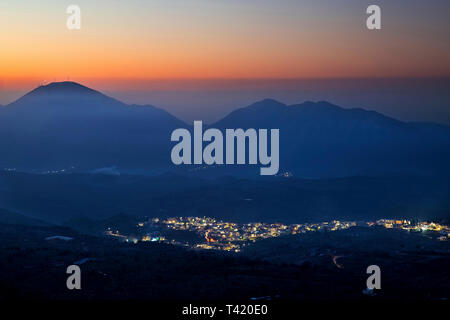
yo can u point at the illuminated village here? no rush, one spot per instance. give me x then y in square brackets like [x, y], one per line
[229, 236]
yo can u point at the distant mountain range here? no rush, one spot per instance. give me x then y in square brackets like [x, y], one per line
[68, 126]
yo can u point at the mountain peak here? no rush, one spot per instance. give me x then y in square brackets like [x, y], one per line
[66, 92]
[317, 105]
[267, 103]
[64, 87]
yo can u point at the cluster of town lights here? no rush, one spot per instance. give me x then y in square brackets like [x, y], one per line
[230, 236]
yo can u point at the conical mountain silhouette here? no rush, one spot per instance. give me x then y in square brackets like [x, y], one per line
[66, 124]
[64, 87]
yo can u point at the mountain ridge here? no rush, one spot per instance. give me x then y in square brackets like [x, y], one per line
[48, 129]
[66, 87]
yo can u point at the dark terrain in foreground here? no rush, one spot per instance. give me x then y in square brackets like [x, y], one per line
[413, 266]
[60, 197]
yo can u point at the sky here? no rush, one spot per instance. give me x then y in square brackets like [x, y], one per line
[143, 49]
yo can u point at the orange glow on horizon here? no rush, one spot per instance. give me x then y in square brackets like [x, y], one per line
[138, 42]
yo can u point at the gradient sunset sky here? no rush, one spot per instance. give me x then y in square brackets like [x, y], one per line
[128, 45]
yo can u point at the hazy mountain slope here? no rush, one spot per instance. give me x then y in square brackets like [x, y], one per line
[8, 217]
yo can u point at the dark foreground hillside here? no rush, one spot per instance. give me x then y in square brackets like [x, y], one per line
[62, 197]
[34, 268]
